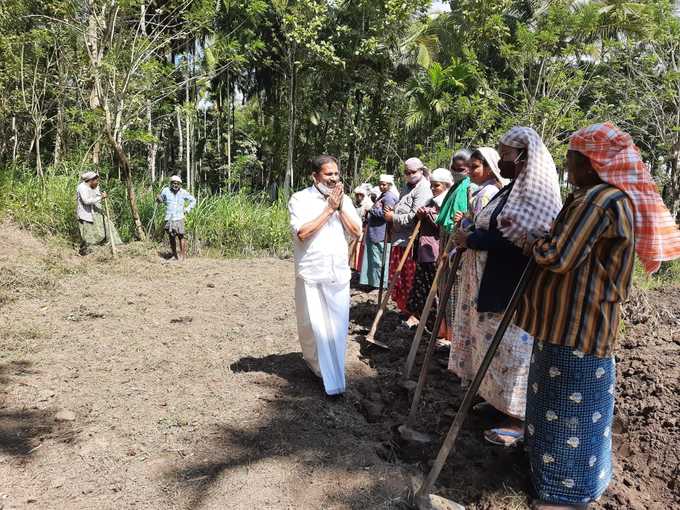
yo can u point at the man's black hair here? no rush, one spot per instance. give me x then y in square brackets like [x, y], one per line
[319, 161]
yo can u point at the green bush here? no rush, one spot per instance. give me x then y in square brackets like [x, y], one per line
[669, 274]
[237, 224]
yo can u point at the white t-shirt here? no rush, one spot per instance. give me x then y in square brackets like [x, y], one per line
[323, 258]
[87, 200]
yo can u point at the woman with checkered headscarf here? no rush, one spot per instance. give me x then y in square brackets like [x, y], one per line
[491, 268]
[572, 309]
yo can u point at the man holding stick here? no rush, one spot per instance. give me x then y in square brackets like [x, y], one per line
[93, 227]
[320, 216]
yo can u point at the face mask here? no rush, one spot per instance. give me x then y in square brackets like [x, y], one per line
[325, 190]
[414, 178]
[507, 168]
[458, 177]
[439, 199]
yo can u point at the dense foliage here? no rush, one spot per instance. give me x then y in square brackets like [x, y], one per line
[237, 94]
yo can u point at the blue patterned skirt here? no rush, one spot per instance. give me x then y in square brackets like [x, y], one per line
[570, 408]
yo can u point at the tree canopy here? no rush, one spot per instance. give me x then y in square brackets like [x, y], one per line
[238, 94]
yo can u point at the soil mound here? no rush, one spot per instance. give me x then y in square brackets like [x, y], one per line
[481, 476]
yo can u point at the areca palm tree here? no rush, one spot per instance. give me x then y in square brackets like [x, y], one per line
[433, 93]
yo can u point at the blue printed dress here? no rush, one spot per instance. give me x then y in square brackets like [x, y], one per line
[570, 409]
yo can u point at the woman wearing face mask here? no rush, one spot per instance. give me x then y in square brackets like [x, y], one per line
[371, 266]
[454, 206]
[416, 194]
[492, 267]
[441, 181]
[486, 176]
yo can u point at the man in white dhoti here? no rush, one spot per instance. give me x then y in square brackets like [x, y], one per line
[319, 217]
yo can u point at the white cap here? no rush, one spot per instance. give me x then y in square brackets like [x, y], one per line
[387, 178]
[88, 176]
[176, 178]
[360, 189]
[442, 175]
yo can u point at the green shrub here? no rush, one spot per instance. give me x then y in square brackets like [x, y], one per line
[236, 224]
[669, 274]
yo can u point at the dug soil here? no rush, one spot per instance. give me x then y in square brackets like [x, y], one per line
[141, 383]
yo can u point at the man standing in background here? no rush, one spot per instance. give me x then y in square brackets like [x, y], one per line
[320, 215]
[175, 199]
[94, 229]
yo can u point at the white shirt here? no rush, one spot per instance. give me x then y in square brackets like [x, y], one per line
[87, 200]
[323, 257]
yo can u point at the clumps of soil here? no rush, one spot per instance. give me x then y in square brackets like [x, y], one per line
[647, 425]
[20, 281]
[646, 429]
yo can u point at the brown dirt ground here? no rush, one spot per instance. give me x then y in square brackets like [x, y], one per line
[105, 402]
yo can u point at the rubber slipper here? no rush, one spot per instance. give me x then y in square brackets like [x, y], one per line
[516, 436]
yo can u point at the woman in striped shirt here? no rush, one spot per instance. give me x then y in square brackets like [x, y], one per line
[573, 308]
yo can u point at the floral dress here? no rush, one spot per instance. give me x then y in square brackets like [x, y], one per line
[505, 384]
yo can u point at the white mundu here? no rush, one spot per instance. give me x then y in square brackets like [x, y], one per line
[322, 277]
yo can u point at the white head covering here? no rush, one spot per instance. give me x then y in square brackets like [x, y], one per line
[88, 176]
[375, 191]
[442, 175]
[415, 164]
[534, 200]
[176, 178]
[366, 202]
[390, 180]
[491, 157]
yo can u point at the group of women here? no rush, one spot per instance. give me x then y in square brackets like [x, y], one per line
[553, 377]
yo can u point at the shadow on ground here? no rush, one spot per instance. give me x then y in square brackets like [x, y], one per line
[311, 434]
[327, 438]
[23, 430]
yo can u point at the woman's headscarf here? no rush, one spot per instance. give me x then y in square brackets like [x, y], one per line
[390, 180]
[366, 202]
[617, 161]
[534, 200]
[491, 157]
[442, 175]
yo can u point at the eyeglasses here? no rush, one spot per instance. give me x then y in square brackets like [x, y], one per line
[411, 172]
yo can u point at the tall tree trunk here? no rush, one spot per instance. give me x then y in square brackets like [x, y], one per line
[152, 148]
[59, 135]
[38, 158]
[289, 177]
[229, 128]
[180, 133]
[15, 139]
[126, 173]
[188, 139]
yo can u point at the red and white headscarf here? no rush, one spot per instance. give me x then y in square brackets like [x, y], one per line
[616, 159]
[534, 200]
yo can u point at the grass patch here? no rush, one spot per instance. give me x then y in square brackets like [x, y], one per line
[669, 274]
[233, 225]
